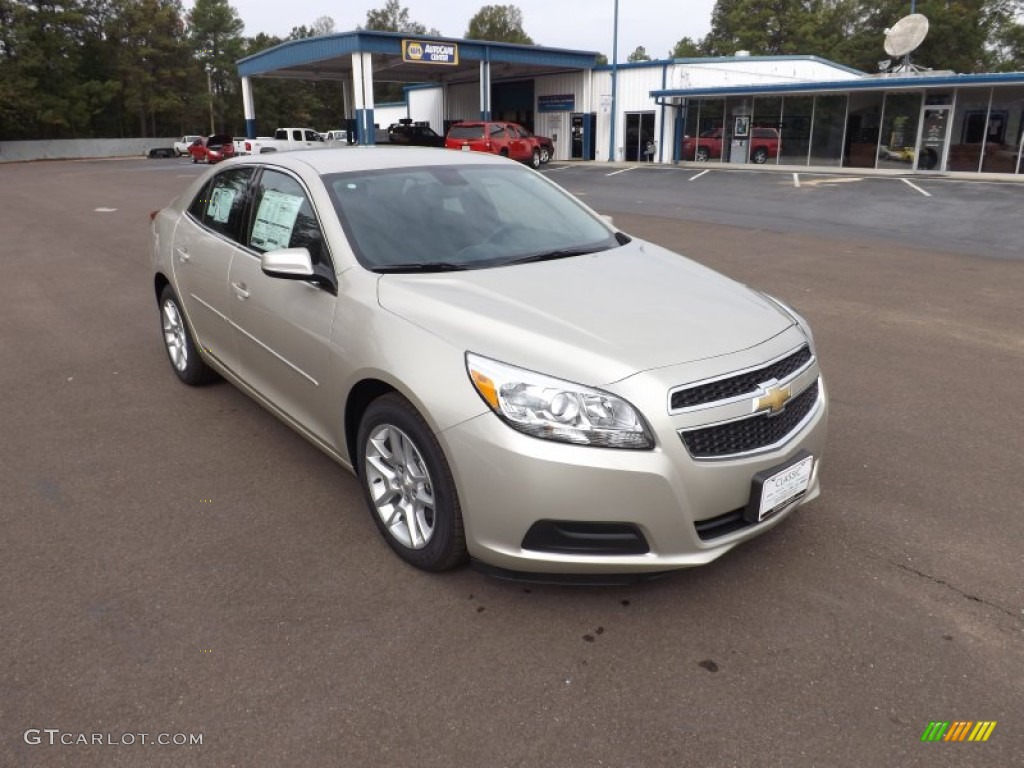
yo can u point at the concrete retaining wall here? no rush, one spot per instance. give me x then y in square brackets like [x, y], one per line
[69, 149]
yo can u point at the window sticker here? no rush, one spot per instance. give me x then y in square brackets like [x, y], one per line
[275, 220]
[221, 200]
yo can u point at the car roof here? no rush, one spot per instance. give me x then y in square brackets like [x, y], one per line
[345, 159]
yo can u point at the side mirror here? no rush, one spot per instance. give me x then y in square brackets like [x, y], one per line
[296, 264]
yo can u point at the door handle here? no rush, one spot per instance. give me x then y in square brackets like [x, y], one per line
[240, 291]
[182, 255]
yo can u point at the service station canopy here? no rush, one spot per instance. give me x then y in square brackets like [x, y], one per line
[403, 58]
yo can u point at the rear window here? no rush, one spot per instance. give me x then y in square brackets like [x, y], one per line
[466, 132]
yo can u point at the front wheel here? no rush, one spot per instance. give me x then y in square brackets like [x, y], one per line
[408, 485]
[545, 155]
[760, 156]
[178, 341]
[535, 159]
[702, 154]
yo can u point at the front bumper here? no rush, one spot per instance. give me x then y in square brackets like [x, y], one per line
[508, 481]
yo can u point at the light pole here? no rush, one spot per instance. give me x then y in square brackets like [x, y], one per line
[209, 88]
[615, 67]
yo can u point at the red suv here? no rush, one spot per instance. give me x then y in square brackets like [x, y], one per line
[506, 139]
[212, 149]
[764, 144]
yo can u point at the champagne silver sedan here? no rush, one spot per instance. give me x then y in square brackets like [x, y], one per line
[511, 378]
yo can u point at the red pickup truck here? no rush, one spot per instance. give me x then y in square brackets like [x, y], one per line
[764, 144]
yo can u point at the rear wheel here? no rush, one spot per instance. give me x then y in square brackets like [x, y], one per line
[760, 156]
[702, 154]
[178, 341]
[408, 485]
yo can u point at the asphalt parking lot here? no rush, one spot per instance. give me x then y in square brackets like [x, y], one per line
[177, 562]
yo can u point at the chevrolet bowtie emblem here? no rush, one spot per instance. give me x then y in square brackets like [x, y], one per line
[773, 400]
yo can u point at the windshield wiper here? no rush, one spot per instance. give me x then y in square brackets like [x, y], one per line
[562, 253]
[422, 266]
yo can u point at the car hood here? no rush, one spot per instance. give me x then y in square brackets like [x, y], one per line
[595, 319]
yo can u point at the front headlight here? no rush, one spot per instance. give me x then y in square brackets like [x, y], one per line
[554, 409]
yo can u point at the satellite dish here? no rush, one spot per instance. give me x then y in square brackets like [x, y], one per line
[906, 34]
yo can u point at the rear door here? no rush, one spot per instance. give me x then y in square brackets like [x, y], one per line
[284, 326]
[205, 241]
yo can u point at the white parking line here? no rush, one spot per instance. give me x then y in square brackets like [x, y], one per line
[796, 180]
[621, 170]
[909, 183]
[694, 178]
[559, 168]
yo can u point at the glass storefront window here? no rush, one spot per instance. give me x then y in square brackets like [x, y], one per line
[1003, 139]
[766, 121]
[968, 129]
[703, 134]
[901, 117]
[827, 132]
[797, 115]
[863, 124]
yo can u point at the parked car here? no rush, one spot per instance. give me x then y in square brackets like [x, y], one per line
[283, 140]
[509, 376]
[765, 144]
[544, 144]
[414, 135]
[336, 135]
[500, 138]
[181, 147]
[212, 149]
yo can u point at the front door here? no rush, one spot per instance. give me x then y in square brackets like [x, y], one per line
[934, 137]
[284, 326]
[639, 144]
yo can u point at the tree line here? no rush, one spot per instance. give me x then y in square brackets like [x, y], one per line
[146, 68]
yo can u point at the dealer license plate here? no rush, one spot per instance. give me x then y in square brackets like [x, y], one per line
[776, 489]
[466, 147]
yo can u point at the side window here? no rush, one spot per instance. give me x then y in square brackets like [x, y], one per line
[498, 131]
[310, 136]
[221, 204]
[284, 218]
[297, 135]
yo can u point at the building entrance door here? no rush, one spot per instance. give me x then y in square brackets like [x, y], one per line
[639, 137]
[934, 137]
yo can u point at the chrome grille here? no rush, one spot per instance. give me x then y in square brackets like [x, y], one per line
[746, 383]
[751, 434]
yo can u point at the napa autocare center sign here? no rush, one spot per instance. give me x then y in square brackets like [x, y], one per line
[426, 52]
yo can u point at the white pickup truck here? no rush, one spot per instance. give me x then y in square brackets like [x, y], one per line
[283, 140]
[181, 147]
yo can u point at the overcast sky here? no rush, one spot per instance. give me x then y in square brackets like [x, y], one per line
[579, 24]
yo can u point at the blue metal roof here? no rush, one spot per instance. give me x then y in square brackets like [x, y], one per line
[915, 82]
[294, 53]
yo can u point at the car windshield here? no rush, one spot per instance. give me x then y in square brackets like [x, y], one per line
[461, 217]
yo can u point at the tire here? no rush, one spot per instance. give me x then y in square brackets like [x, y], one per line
[504, 153]
[179, 344]
[702, 154]
[759, 156]
[408, 486]
[545, 156]
[535, 159]
[194, 160]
